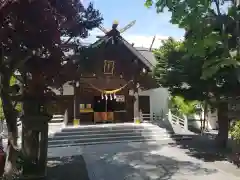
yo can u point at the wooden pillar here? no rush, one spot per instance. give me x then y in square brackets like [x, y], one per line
[75, 105]
[136, 107]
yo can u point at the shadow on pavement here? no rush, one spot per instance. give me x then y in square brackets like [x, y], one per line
[204, 148]
[135, 161]
[63, 168]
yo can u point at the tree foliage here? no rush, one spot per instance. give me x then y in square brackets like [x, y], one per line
[181, 74]
[34, 38]
[209, 67]
[210, 26]
[31, 42]
[182, 106]
[32, 34]
[235, 131]
[17, 105]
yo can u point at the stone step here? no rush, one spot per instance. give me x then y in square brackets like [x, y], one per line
[59, 136]
[103, 140]
[110, 141]
[172, 138]
[110, 133]
[107, 131]
[99, 128]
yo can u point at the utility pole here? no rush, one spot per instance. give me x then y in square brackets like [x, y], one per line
[154, 37]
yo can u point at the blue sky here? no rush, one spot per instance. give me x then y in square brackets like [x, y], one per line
[148, 22]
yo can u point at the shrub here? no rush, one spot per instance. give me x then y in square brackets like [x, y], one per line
[235, 131]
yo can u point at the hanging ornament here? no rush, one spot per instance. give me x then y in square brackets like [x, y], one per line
[110, 91]
[111, 97]
[106, 97]
[102, 96]
[114, 96]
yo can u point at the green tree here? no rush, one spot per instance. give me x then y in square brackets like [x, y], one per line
[17, 105]
[32, 43]
[182, 106]
[209, 25]
[211, 39]
[235, 131]
[181, 74]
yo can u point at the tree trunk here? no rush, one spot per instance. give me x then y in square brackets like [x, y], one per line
[223, 125]
[11, 169]
[30, 148]
[10, 114]
[30, 140]
[35, 135]
[34, 145]
[43, 151]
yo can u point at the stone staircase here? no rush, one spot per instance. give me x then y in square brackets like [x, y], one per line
[108, 133]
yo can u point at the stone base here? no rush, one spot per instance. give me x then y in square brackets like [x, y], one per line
[76, 122]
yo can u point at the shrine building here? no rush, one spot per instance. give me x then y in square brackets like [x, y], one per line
[117, 87]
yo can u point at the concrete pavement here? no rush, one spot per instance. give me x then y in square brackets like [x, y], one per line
[142, 161]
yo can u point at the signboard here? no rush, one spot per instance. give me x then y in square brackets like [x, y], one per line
[108, 67]
[120, 98]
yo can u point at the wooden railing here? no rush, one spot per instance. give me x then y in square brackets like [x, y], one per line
[145, 117]
[175, 120]
[148, 117]
[57, 118]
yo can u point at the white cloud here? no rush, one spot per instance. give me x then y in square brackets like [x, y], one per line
[145, 41]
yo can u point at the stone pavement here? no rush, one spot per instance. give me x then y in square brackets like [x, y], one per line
[204, 148]
[142, 161]
[63, 168]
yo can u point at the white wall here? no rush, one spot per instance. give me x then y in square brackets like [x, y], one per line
[159, 98]
[211, 120]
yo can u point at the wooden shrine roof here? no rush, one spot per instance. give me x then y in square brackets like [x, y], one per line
[143, 54]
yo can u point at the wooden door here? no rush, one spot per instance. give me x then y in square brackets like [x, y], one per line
[144, 104]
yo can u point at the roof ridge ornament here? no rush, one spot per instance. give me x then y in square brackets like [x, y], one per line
[114, 26]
